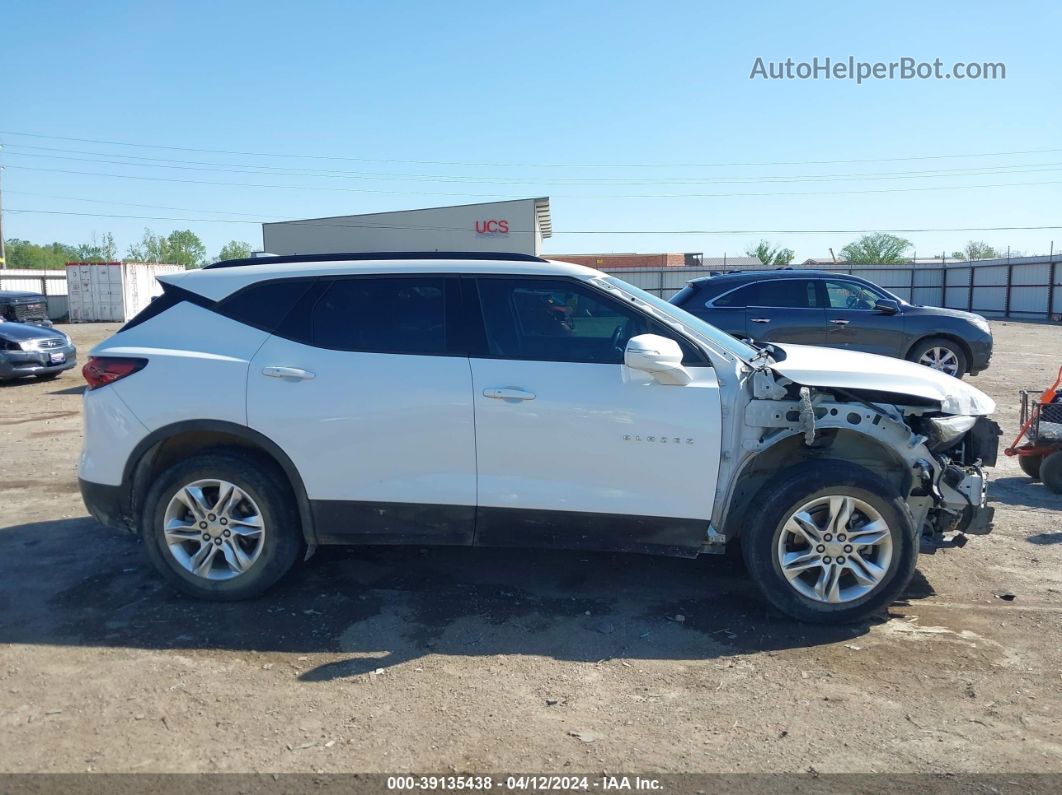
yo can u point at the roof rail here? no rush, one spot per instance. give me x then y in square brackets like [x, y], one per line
[385, 255]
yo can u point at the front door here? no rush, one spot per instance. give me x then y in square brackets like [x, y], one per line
[366, 389]
[852, 322]
[573, 448]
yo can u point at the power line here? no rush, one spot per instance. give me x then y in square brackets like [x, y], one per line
[509, 196]
[256, 216]
[525, 164]
[572, 231]
[248, 168]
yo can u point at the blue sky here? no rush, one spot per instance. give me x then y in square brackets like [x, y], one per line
[639, 87]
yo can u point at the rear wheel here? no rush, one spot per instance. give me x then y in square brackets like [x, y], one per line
[1030, 465]
[940, 354]
[221, 526]
[832, 543]
[1051, 471]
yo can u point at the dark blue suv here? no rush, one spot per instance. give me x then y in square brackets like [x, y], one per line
[838, 310]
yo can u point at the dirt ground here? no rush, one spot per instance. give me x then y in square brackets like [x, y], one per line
[486, 661]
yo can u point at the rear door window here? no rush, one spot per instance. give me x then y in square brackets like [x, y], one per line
[383, 315]
[788, 294]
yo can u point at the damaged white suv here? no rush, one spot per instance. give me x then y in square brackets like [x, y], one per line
[262, 407]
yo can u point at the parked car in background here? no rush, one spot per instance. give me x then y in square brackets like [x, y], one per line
[17, 306]
[838, 310]
[30, 350]
[260, 408]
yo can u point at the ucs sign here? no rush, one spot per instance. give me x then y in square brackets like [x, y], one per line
[492, 227]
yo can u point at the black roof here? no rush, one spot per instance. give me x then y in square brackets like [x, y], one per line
[384, 255]
[10, 295]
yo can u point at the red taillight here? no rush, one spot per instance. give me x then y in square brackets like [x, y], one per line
[102, 370]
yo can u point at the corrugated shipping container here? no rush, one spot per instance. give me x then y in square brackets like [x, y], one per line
[112, 291]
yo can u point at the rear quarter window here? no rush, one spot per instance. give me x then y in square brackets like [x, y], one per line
[739, 298]
[265, 305]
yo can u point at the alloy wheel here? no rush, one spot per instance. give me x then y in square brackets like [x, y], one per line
[213, 529]
[942, 359]
[834, 549]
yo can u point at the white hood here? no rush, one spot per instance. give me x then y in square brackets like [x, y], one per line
[844, 369]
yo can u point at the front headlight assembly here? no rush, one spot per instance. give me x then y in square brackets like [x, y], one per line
[945, 432]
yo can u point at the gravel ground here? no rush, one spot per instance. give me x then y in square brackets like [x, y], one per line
[484, 660]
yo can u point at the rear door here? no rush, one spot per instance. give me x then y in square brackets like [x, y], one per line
[366, 388]
[852, 322]
[786, 310]
[574, 449]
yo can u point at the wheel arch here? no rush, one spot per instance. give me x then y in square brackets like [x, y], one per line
[944, 335]
[168, 444]
[845, 445]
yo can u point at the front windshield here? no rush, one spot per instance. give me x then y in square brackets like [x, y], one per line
[713, 335]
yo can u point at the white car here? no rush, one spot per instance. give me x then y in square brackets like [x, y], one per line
[260, 408]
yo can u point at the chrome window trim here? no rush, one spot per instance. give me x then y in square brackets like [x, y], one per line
[710, 304]
[881, 293]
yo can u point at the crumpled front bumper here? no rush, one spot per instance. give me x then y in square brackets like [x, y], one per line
[976, 515]
[960, 493]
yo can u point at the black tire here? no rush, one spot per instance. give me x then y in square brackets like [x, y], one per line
[282, 541]
[784, 495]
[48, 376]
[1051, 471]
[940, 342]
[1030, 465]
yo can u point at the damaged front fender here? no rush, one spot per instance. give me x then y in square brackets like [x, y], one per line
[943, 496]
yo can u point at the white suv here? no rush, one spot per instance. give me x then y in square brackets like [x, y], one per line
[260, 408]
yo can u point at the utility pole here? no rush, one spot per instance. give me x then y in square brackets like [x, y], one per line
[3, 260]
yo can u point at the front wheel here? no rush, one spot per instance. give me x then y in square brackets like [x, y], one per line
[940, 354]
[221, 526]
[832, 543]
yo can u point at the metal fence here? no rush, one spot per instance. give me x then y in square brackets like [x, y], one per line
[49, 283]
[1025, 288]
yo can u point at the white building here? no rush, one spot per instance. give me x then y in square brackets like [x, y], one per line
[516, 226]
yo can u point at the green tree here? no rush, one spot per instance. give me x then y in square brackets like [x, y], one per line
[769, 255]
[877, 248]
[24, 254]
[149, 249]
[180, 247]
[234, 249]
[976, 249]
[183, 247]
[102, 250]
